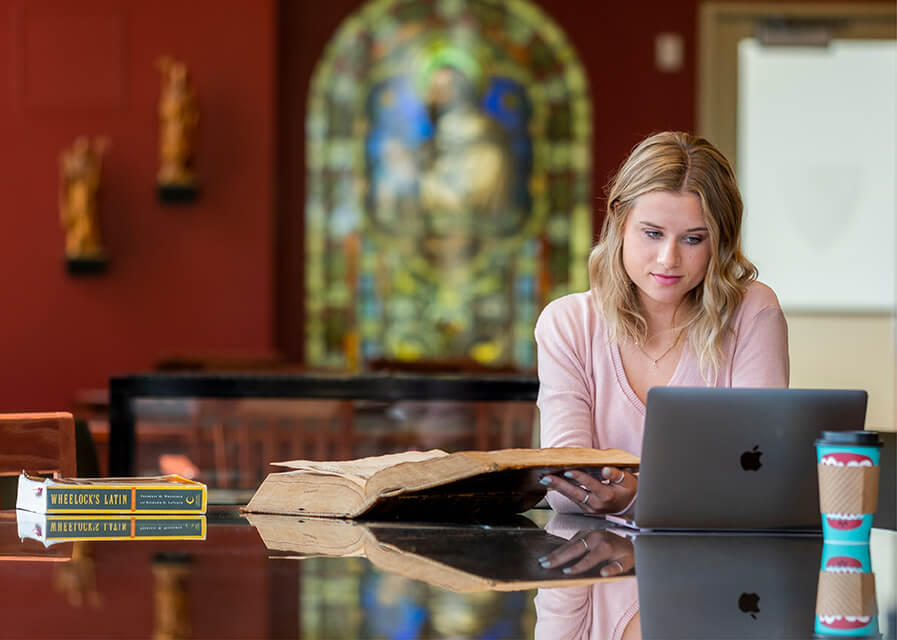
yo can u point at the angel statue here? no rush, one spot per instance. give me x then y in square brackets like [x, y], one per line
[79, 182]
[178, 120]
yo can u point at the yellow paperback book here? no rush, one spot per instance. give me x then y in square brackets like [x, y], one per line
[171, 494]
[52, 529]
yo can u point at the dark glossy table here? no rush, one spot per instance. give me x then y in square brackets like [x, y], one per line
[124, 390]
[280, 579]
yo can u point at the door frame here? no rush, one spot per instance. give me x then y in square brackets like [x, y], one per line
[721, 25]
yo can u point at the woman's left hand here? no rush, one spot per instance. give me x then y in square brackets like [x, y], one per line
[612, 492]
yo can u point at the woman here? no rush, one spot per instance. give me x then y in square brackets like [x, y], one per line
[672, 301]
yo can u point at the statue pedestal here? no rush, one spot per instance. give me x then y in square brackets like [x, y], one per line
[177, 193]
[86, 266]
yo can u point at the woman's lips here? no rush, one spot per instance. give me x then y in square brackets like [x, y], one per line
[666, 280]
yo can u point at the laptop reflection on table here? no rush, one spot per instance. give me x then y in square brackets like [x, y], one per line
[727, 586]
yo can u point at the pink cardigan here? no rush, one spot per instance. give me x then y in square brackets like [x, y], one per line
[585, 399]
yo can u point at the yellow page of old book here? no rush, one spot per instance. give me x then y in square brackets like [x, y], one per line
[401, 477]
[360, 469]
[326, 488]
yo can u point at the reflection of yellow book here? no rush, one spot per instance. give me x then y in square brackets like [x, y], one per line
[461, 558]
[424, 485]
[160, 494]
[51, 529]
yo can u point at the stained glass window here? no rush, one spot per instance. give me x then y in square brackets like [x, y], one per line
[448, 185]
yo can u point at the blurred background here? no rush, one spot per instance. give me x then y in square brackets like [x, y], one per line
[403, 185]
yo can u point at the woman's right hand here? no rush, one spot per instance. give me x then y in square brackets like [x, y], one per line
[590, 548]
[612, 492]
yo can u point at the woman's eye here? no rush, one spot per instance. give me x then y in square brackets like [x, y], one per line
[694, 239]
[654, 235]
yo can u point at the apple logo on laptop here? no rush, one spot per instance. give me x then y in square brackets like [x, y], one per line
[749, 603]
[750, 460]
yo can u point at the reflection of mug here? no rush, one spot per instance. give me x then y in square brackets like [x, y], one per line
[847, 464]
[845, 597]
[845, 558]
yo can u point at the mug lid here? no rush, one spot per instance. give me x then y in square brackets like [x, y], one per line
[850, 438]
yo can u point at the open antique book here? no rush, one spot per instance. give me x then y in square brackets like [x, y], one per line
[461, 558]
[424, 485]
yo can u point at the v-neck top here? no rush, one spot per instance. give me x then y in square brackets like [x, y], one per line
[585, 399]
[613, 351]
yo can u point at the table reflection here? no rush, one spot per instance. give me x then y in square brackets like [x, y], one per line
[719, 586]
[499, 556]
[284, 576]
[732, 586]
[607, 609]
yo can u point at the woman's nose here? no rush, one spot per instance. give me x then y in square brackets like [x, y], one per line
[669, 255]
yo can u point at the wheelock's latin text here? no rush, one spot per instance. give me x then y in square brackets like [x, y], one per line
[117, 498]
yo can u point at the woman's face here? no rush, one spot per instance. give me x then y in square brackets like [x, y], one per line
[666, 247]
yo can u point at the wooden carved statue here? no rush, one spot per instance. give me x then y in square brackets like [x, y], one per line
[178, 120]
[80, 173]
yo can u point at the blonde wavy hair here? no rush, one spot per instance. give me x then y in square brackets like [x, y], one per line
[678, 163]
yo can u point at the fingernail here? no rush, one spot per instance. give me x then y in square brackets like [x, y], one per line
[545, 564]
[566, 571]
[568, 474]
[604, 572]
[542, 559]
[545, 481]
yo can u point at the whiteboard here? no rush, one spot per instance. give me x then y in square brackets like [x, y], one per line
[816, 166]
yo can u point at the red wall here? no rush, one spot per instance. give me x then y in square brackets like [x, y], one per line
[630, 97]
[198, 277]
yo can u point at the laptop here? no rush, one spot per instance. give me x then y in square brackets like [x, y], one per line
[728, 586]
[736, 459]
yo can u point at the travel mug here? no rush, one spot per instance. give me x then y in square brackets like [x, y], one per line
[848, 469]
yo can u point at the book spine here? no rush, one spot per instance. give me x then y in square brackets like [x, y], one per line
[74, 528]
[123, 499]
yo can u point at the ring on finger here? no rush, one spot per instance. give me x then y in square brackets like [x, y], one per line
[616, 562]
[585, 544]
[620, 479]
[585, 499]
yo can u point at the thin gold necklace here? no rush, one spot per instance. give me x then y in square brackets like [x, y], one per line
[653, 360]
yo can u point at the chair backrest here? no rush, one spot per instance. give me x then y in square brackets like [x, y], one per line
[505, 425]
[37, 443]
[249, 434]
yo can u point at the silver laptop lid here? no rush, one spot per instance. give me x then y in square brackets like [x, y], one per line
[737, 458]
